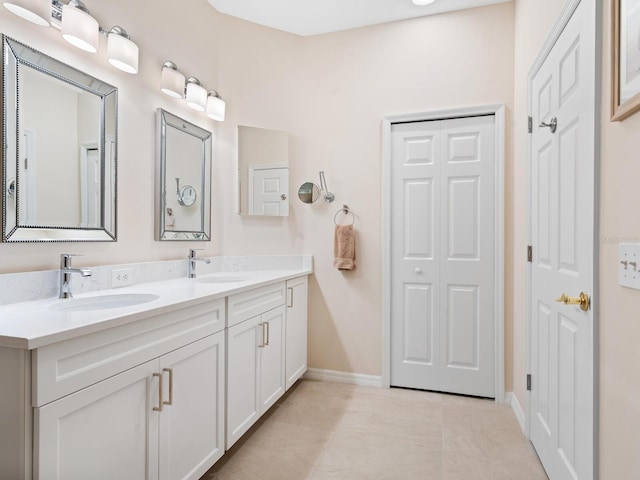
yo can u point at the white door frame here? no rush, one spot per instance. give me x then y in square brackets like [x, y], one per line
[499, 112]
[562, 21]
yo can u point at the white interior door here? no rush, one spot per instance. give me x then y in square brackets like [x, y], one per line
[443, 217]
[90, 174]
[268, 191]
[561, 403]
[28, 179]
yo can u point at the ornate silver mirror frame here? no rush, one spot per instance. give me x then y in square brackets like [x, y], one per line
[66, 209]
[183, 183]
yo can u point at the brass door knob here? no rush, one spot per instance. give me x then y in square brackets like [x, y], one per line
[583, 300]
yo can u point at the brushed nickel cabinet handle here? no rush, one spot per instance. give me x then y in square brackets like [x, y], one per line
[268, 330]
[159, 407]
[290, 289]
[261, 344]
[170, 372]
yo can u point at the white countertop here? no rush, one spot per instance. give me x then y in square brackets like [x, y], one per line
[34, 324]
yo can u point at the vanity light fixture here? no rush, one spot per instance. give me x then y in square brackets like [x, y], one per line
[79, 28]
[172, 80]
[34, 11]
[215, 106]
[196, 94]
[121, 51]
[423, 2]
[173, 84]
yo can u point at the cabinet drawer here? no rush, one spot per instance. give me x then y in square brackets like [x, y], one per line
[243, 306]
[63, 368]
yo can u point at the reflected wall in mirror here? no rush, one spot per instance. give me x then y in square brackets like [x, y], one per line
[309, 192]
[183, 206]
[263, 171]
[60, 147]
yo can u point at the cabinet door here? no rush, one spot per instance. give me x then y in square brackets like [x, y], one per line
[272, 359]
[101, 432]
[192, 418]
[243, 377]
[296, 330]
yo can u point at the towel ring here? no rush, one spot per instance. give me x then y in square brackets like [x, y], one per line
[344, 210]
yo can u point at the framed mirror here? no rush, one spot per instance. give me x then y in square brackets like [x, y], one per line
[183, 206]
[59, 135]
[263, 171]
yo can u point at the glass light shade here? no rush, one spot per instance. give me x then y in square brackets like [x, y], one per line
[172, 81]
[34, 11]
[196, 95]
[80, 29]
[216, 107]
[423, 2]
[122, 52]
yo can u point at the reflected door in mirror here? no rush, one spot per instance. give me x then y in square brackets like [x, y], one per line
[263, 167]
[268, 190]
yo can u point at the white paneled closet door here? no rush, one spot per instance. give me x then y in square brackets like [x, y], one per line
[443, 218]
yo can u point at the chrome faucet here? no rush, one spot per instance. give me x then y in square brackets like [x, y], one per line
[65, 274]
[192, 261]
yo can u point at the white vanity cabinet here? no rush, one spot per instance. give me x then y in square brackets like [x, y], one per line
[296, 329]
[162, 418]
[255, 356]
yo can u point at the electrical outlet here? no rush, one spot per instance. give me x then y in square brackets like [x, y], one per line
[121, 277]
[629, 265]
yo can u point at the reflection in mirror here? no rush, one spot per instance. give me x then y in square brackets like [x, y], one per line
[308, 192]
[59, 158]
[183, 207]
[263, 171]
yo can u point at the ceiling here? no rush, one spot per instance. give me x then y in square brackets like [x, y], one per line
[312, 17]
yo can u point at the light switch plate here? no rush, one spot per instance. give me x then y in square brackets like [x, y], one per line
[121, 277]
[629, 265]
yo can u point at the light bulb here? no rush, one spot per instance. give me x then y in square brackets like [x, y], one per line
[34, 11]
[79, 28]
[122, 52]
[196, 96]
[216, 107]
[172, 82]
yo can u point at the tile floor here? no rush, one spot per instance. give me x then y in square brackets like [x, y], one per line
[332, 431]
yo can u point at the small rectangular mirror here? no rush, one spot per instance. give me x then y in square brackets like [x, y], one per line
[60, 145]
[263, 176]
[183, 206]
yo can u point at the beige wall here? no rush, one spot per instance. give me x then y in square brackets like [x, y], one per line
[619, 307]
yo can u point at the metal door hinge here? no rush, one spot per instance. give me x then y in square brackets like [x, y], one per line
[530, 124]
[528, 382]
[529, 253]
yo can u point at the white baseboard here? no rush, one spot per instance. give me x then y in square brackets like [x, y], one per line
[511, 399]
[343, 377]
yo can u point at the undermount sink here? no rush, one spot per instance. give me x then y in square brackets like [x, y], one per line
[103, 302]
[223, 279]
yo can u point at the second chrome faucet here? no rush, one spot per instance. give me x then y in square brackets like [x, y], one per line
[192, 261]
[65, 274]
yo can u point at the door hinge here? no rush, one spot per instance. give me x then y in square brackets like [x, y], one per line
[529, 253]
[530, 125]
[528, 382]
